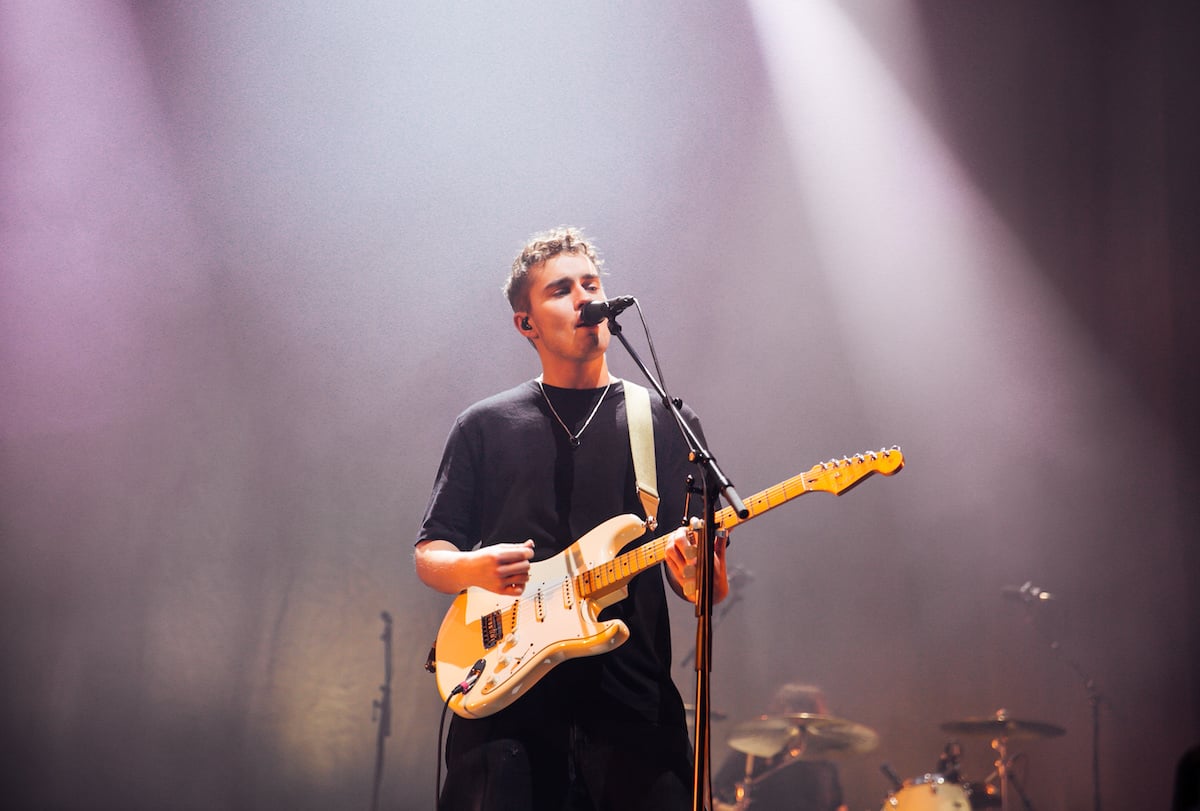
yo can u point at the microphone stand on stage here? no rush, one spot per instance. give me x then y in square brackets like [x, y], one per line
[1034, 597]
[704, 574]
[1095, 699]
[381, 709]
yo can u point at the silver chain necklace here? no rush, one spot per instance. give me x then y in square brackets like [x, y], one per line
[574, 437]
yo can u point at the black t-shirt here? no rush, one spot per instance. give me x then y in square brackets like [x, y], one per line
[509, 473]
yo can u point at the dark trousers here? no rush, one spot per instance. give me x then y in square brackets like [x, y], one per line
[609, 761]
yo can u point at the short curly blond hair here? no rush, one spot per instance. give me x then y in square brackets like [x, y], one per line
[540, 248]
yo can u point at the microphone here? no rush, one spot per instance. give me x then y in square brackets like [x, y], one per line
[594, 312]
[1028, 594]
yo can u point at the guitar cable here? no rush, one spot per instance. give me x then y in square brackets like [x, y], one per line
[462, 688]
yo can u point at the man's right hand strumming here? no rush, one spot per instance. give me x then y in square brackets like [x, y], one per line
[502, 568]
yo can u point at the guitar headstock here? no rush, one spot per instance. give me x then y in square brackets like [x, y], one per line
[839, 475]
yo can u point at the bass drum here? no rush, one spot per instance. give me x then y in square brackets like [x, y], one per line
[929, 792]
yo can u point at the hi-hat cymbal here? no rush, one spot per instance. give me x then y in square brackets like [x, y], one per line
[818, 737]
[1001, 726]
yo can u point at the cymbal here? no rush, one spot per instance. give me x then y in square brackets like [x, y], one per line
[713, 715]
[820, 737]
[1001, 726]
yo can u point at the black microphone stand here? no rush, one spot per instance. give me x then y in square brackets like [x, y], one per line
[382, 709]
[731, 601]
[704, 574]
[1095, 697]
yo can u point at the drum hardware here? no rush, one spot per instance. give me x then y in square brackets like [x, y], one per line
[745, 787]
[892, 777]
[937, 792]
[808, 735]
[947, 788]
[943, 790]
[1001, 728]
[790, 738]
[982, 795]
[690, 711]
[949, 765]
[949, 762]
[929, 792]
[1000, 725]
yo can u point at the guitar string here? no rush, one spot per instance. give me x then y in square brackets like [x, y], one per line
[764, 499]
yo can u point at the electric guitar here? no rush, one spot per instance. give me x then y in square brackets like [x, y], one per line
[510, 643]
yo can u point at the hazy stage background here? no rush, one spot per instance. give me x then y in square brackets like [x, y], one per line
[250, 260]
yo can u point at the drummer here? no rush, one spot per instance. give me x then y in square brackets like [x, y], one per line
[785, 780]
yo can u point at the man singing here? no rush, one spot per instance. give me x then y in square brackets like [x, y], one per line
[524, 474]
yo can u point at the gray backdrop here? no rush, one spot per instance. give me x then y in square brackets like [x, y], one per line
[250, 258]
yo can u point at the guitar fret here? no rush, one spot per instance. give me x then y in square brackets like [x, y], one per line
[833, 476]
[619, 569]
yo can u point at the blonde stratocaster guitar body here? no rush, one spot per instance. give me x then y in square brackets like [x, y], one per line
[522, 638]
[516, 641]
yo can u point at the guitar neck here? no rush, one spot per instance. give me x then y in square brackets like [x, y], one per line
[620, 570]
[614, 574]
[835, 476]
[778, 495]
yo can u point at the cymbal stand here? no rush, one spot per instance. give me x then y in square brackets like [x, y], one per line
[1016, 785]
[741, 795]
[745, 786]
[1000, 744]
[1008, 780]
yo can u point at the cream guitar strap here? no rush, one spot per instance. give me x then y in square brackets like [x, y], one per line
[641, 442]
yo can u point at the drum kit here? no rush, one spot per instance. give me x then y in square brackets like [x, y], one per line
[781, 740]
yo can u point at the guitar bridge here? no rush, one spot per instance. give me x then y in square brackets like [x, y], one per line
[492, 630]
